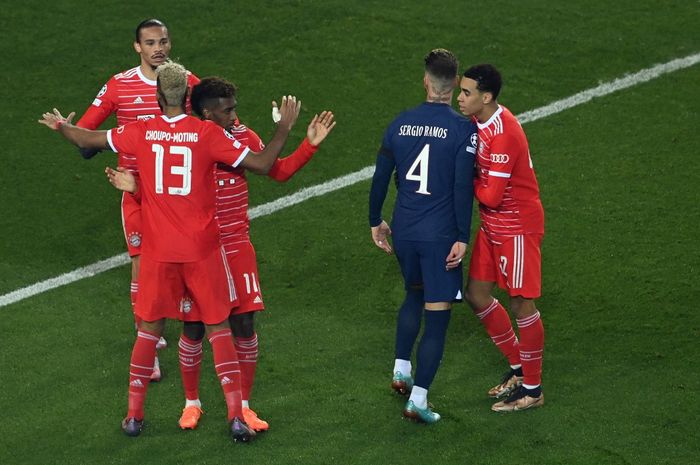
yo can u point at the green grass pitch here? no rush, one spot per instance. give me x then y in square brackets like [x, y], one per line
[619, 179]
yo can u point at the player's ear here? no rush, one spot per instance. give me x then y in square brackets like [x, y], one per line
[137, 47]
[486, 98]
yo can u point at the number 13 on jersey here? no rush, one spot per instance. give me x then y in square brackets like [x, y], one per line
[419, 170]
[184, 170]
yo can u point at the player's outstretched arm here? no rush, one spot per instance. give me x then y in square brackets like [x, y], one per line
[380, 234]
[84, 138]
[284, 168]
[122, 179]
[261, 162]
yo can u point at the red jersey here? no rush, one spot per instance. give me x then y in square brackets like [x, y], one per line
[232, 187]
[507, 190]
[132, 96]
[232, 194]
[176, 158]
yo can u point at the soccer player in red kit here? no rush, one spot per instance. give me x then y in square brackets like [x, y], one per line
[507, 247]
[131, 95]
[214, 99]
[175, 155]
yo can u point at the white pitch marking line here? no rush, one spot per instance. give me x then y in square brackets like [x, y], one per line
[630, 80]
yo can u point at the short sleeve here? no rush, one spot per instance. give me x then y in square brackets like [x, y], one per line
[125, 139]
[224, 147]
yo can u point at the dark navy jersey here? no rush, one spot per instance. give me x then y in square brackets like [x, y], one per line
[431, 149]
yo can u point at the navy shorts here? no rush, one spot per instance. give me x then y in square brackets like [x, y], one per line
[423, 265]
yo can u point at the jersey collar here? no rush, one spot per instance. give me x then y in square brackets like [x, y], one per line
[144, 78]
[174, 119]
[492, 119]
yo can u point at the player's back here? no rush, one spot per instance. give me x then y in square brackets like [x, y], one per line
[176, 158]
[425, 143]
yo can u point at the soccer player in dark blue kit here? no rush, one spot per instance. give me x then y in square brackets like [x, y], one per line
[431, 148]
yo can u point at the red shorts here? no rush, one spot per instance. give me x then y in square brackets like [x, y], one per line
[244, 268]
[514, 263]
[131, 222]
[208, 282]
[243, 264]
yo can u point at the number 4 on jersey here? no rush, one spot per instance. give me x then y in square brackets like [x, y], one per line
[420, 165]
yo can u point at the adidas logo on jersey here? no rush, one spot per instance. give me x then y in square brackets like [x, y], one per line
[226, 380]
[257, 300]
[138, 99]
[136, 383]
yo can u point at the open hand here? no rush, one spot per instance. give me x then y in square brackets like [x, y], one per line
[289, 111]
[320, 127]
[122, 179]
[56, 119]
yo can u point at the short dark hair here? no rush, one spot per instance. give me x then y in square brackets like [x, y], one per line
[487, 78]
[208, 90]
[146, 23]
[441, 64]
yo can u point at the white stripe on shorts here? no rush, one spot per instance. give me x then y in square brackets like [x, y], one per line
[229, 276]
[518, 261]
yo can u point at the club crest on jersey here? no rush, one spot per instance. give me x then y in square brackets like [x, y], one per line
[499, 158]
[186, 305]
[102, 91]
[135, 239]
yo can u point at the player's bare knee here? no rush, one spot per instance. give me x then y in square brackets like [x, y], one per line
[193, 330]
[153, 327]
[478, 296]
[522, 307]
[243, 325]
[135, 262]
[438, 306]
[209, 329]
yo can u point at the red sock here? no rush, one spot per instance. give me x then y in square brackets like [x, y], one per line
[142, 359]
[134, 294]
[531, 347]
[498, 326]
[190, 354]
[228, 370]
[247, 349]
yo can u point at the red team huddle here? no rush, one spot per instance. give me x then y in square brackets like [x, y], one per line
[187, 228]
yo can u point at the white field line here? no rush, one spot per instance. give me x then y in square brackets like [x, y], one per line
[630, 80]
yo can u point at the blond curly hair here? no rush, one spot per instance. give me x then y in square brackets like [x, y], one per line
[172, 82]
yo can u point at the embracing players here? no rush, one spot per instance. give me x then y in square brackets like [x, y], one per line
[131, 95]
[214, 99]
[175, 155]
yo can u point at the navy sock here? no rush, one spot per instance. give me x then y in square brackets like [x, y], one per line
[534, 392]
[431, 346]
[408, 324]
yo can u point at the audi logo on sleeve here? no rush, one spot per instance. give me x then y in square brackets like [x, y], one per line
[499, 158]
